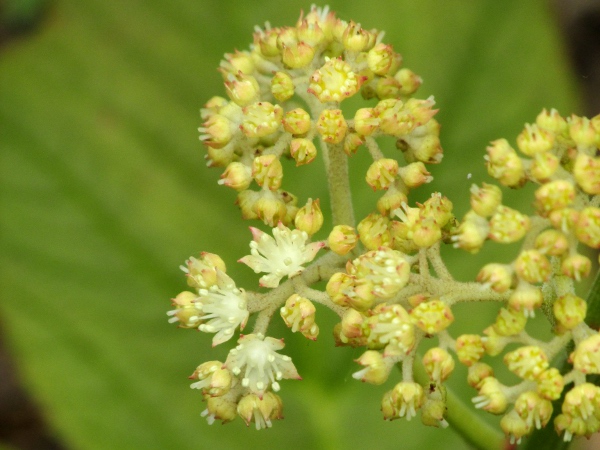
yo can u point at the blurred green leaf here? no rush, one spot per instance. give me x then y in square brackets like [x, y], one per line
[105, 192]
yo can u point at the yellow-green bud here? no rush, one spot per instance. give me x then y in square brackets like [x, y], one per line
[485, 199]
[213, 378]
[219, 408]
[282, 86]
[555, 195]
[186, 312]
[408, 80]
[381, 173]
[504, 164]
[297, 55]
[334, 81]
[352, 323]
[576, 266]
[587, 228]
[365, 121]
[515, 427]
[582, 131]
[201, 272]
[267, 171]
[508, 225]
[351, 143]
[382, 59]
[407, 398]
[390, 326]
[390, 201]
[509, 322]
[438, 364]
[376, 368]
[472, 233]
[498, 277]
[551, 121]
[527, 362]
[332, 126]
[270, 209]
[266, 41]
[586, 357]
[587, 173]
[373, 231]
[260, 409]
[564, 219]
[299, 315]
[477, 373]
[309, 218]
[246, 200]
[342, 239]
[414, 175]
[469, 349]
[550, 384]
[339, 287]
[242, 89]
[237, 176]
[387, 87]
[532, 266]
[434, 408]
[356, 38]
[311, 33]
[533, 140]
[552, 243]
[493, 342]
[303, 151]
[261, 119]
[216, 131]
[432, 316]
[543, 166]
[524, 300]
[491, 396]
[296, 121]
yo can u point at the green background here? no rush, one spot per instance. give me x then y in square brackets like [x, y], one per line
[105, 192]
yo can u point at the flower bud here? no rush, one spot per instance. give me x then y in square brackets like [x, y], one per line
[408, 80]
[237, 176]
[334, 81]
[552, 122]
[434, 408]
[525, 299]
[373, 231]
[309, 218]
[299, 315]
[491, 396]
[509, 322]
[534, 140]
[586, 357]
[242, 89]
[407, 398]
[587, 173]
[303, 151]
[527, 362]
[543, 166]
[297, 55]
[485, 199]
[498, 277]
[267, 171]
[438, 364]
[219, 408]
[296, 121]
[532, 266]
[332, 126]
[213, 379]
[477, 373]
[270, 209]
[339, 287]
[282, 86]
[576, 267]
[508, 225]
[355, 38]
[569, 310]
[387, 87]
[587, 227]
[390, 326]
[365, 121]
[202, 273]
[550, 384]
[260, 409]
[414, 175]
[472, 233]
[504, 164]
[391, 200]
[261, 119]
[564, 219]
[381, 173]
[351, 143]
[432, 316]
[376, 368]
[246, 200]
[582, 131]
[469, 349]
[382, 59]
[552, 243]
[342, 239]
[515, 427]
[554, 195]
[186, 312]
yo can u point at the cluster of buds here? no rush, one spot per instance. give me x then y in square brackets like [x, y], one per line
[385, 277]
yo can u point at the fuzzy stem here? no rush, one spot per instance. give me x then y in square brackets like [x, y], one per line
[336, 167]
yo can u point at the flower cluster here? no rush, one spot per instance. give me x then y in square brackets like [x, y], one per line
[385, 277]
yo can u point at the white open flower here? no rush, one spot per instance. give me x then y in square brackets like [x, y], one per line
[223, 308]
[256, 362]
[280, 255]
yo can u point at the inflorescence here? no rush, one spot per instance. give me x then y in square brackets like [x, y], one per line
[385, 277]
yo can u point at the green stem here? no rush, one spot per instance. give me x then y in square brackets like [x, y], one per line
[336, 167]
[464, 419]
